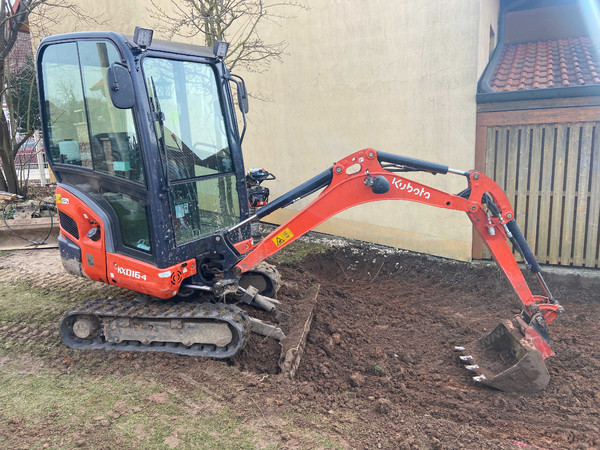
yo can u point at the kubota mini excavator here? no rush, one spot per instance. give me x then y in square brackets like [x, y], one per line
[152, 197]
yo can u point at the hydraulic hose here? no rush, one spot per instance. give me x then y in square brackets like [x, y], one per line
[523, 246]
[413, 163]
[306, 188]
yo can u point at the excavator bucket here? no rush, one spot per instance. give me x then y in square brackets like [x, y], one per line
[507, 359]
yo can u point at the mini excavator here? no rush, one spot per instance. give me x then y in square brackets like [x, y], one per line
[152, 196]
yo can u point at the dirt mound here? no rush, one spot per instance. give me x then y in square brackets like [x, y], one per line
[382, 340]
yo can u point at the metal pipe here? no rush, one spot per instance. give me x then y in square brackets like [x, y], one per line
[545, 287]
[418, 164]
[458, 172]
[197, 287]
[242, 223]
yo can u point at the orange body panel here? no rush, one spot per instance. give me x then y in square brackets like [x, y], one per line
[93, 253]
[129, 273]
[111, 268]
[244, 246]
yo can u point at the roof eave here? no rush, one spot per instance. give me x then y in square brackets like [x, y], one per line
[538, 94]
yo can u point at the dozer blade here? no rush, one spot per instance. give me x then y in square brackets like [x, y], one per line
[294, 344]
[507, 359]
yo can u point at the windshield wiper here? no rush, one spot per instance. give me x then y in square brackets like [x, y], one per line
[159, 116]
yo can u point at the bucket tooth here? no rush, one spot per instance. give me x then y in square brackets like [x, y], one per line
[507, 360]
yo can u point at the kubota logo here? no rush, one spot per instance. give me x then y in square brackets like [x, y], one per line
[405, 185]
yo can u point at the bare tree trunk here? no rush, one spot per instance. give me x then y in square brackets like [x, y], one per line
[5, 160]
[8, 177]
[13, 14]
[3, 185]
[236, 21]
[9, 182]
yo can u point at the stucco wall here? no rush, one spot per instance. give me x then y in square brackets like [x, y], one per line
[488, 26]
[396, 76]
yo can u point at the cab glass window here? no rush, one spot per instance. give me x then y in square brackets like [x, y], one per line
[193, 129]
[84, 127]
[65, 108]
[190, 128]
[133, 220]
[203, 207]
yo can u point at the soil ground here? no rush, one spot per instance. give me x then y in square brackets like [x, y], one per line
[379, 369]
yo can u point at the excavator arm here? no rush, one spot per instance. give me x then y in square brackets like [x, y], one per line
[368, 176]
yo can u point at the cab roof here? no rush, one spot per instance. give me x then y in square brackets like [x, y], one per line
[127, 40]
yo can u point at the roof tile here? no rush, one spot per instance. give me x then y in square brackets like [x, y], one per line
[545, 64]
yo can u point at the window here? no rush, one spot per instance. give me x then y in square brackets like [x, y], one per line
[133, 220]
[202, 207]
[85, 129]
[194, 146]
[193, 132]
[67, 120]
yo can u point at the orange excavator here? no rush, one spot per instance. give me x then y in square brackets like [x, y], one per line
[152, 196]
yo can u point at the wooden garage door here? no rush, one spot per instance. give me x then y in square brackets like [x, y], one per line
[548, 163]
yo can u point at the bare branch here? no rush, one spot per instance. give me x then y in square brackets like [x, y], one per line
[235, 21]
[18, 86]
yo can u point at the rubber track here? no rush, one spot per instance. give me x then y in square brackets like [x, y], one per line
[141, 309]
[270, 272]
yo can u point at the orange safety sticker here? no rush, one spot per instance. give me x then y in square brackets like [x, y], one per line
[283, 237]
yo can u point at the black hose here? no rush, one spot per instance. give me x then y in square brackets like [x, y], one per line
[523, 247]
[412, 164]
[47, 207]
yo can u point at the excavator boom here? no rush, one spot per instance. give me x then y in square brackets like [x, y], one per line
[367, 176]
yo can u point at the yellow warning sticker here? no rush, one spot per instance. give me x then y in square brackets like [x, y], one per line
[283, 237]
[58, 199]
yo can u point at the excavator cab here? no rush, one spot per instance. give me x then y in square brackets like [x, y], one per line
[144, 142]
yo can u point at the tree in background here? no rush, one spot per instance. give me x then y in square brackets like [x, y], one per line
[18, 90]
[22, 100]
[22, 107]
[234, 21]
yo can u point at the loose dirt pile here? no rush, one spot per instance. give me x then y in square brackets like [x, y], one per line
[381, 347]
[379, 369]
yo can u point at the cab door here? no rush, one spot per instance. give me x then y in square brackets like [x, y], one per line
[194, 146]
[94, 150]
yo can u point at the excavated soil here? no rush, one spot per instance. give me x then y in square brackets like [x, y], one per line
[379, 365]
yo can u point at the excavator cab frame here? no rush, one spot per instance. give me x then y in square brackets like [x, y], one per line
[145, 146]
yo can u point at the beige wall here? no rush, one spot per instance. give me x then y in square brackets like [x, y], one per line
[488, 32]
[121, 16]
[396, 76]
